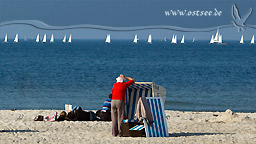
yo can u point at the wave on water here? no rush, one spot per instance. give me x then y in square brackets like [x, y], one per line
[43, 26]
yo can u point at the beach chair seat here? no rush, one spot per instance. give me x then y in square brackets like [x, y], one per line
[138, 131]
[127, 125]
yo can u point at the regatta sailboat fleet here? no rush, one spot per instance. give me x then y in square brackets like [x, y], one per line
[174, 39]
[217, 38]
[37, 38]
[135, 40]
[52, 39]
[5, 38]
[108, 39]
[252, 40]
[150, 39]
[242, 39]
[16, 39]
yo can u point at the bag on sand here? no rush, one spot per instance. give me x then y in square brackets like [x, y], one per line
[92, 116]
[104, 115]
[39, 118]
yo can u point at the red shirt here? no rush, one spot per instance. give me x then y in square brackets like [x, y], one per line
[118, 91]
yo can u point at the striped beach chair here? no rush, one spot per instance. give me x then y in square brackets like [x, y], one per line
[139, 89]
[159, 127]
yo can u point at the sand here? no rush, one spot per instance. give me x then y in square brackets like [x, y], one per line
[184, 127]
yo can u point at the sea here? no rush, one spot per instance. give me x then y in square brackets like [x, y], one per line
[197, 76]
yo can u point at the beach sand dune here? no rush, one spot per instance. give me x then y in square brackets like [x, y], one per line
[184, 127]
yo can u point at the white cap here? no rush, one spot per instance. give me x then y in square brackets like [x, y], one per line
[119, 79]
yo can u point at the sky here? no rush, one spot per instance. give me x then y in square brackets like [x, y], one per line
[123, 13]
[126, 14]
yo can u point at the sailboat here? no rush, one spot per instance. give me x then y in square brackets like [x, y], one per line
[16, 39]
[242, 39]
[108, 39]
[64, 39]
[182, 40]
[135, 40]
[174, 39]
[37, 38]
[69, 39]
[44, 39]
[211, 41]
[252, 41]
[165, 39]
[193, 40]
[220, 39]
[5, 38]
[150, 39]
[217, 38]
[52, 39]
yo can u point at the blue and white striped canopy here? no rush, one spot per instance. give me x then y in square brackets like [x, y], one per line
[133, 93]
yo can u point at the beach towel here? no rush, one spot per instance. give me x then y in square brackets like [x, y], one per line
[143, 111]
[51, 118]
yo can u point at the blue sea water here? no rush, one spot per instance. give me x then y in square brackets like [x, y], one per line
[197, 76]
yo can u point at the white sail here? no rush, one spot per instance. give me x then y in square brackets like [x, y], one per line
[252, 41]
[165, 39]
[16, 39]
[37, 38]
[220, 39]
[193, 40]
[212, 40]
[44, 39]
[108, 39]
[182, 40]
[69, 39]
[149, 39]
[64, 39]
[5, 38]
[52, 39]
[135, 40]
[216, 38]
[174, 39]
[242, 39]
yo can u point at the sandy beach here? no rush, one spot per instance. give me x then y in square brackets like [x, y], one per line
[184, 127]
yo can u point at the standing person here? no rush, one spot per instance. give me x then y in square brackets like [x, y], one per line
[118, 103]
